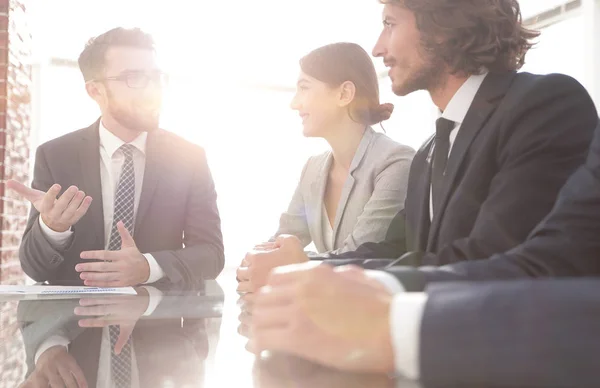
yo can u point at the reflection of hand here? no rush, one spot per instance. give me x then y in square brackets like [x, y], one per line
[257, 265]
[123, 268]
[336, 317]
[123, 311]
[56, 368]
[58, 214]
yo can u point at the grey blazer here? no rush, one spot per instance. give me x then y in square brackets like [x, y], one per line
[373, 194]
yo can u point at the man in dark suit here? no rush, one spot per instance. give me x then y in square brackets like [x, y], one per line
[503, 334]
[505, 144]
[564, 244]
[140, 181]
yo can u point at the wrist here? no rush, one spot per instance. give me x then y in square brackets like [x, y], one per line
[53, 227]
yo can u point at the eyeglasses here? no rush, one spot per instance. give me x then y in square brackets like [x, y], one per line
[139, 80]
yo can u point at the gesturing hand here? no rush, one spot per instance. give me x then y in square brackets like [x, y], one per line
[58, 214]
[122, 268]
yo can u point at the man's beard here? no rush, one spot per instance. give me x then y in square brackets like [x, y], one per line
[130, 120]
[430, 76]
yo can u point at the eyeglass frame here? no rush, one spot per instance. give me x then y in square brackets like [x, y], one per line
[162, 77]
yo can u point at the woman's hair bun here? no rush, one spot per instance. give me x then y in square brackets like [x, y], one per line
[381, 113]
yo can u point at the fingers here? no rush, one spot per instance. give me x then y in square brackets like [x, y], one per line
[100, 301]
[81, 210]
[100, 322]
[265, 246]
[245, 287]
[291, 273]
[24, 191]
[126, 239]
[105, 284]
[98, 266]
[242, 274]
[124, 334]
[77, 374]
[100, 255]
[93, 311]
[66, 376]
[76, 208]
[55, 212]
[49, 198]
[270, 317]
[100, 276]
[55, 379]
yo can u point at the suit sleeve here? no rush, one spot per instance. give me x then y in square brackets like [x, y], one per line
[511, 334]
[294, 220]
[40, 257]
[386, 201]
[203, 254]
[547, 139]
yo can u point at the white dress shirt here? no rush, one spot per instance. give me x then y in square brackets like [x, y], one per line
[406, 311]
[111, 162]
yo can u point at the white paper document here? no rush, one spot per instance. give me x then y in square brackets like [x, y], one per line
[63, 290]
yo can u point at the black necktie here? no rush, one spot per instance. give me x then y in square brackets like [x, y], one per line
[443, 127]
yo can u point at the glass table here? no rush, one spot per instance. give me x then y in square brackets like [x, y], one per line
[171, 337]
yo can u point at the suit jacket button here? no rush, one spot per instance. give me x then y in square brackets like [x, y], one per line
[55, 260]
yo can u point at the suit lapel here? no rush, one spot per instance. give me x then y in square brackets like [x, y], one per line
[486, 100]
[423, 193]
[318, 187]
[89, 156]
[152, 173]
[350, 181]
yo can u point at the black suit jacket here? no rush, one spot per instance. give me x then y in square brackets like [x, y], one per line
[177, 220]
[565, 244]
[512, 334]
[522, 137]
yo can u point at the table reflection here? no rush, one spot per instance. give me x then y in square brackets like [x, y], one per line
[72, 342]
[173, 338]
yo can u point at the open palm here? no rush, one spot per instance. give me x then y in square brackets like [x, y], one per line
[59, 214]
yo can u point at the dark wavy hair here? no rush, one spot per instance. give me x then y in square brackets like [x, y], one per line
[472, 35]
[337, 63]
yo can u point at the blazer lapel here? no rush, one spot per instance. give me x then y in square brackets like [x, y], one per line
[492, 89]
[89, 155]
[423, 194]
[152, 173]
[350, 181]
[318, 187]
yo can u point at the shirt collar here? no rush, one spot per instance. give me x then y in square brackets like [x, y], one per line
[112, 143]
[461, 101]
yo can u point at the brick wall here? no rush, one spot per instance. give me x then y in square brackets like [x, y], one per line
[15, 112]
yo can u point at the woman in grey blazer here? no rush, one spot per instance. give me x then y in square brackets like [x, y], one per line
[348, 195]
